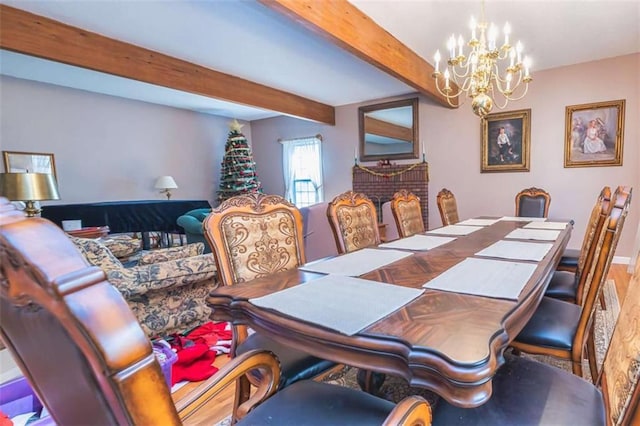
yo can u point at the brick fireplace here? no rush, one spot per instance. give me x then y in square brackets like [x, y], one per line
[380, 183]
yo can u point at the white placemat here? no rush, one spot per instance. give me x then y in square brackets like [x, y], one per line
[418, 242]
[455, 230]
[516, 250]
[546, 225]
[484, 277]
[534, 234]
[356, 263]
[523, 219]
[344, 304]
[478, 222]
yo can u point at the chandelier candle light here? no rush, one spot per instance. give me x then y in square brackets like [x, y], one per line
[478, 75]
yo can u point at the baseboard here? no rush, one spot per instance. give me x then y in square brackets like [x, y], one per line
[623, 260]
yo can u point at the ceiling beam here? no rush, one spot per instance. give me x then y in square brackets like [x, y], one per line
[35, 35]
[386, 129]
[349, 28]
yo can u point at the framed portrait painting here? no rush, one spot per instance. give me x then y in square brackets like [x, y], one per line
[29, 162]
[506, 139]
[594, 134]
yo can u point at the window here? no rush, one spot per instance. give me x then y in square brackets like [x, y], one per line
[302, 170]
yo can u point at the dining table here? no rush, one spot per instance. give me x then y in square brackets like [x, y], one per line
[444, 337]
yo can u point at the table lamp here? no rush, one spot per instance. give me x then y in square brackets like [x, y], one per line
[29, 187]
[165, 184]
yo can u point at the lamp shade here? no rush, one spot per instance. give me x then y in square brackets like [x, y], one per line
[166, 182]
[28, 186]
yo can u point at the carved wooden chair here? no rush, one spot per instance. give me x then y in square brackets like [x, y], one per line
[407, 213]
[529, 392]
[566, 285]
[532, 202]
[562, 329]
[253, 236]
[99, 367]
[448, 207]
[354, 222]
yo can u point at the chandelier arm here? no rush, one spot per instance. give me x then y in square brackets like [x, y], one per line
[526, 88]
[463, 67]
[448, 96]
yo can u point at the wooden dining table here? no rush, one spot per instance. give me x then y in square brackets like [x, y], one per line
[450, 343]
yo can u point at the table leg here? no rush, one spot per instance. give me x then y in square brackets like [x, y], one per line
[370, 381]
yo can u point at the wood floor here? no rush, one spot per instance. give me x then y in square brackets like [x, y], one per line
[223, 404]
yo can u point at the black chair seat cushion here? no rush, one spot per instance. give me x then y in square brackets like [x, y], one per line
[570, 258]
[313, 403]
[294, 364]
[527, 392]
[562, 286]
[553, 325]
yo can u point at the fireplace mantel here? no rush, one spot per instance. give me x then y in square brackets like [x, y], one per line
[380, 183]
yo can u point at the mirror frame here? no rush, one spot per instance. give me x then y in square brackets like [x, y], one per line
[413, 102]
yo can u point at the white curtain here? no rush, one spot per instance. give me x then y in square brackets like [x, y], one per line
[302, 159]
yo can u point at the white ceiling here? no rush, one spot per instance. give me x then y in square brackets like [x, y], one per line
[246, 39]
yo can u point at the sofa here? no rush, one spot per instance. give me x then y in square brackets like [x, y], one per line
[166, 291]
[191, 222]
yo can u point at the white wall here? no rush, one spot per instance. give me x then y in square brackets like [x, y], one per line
[112, 149]
[452, 139]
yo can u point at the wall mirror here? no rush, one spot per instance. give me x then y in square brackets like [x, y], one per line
[389, 130]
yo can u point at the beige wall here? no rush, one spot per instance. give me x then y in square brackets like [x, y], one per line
[110, 149]
[452, 139]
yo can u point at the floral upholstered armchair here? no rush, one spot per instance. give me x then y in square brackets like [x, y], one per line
[168, 288]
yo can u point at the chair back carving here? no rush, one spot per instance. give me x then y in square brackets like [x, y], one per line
[406, 210]
[254, 235]
[621, 366]
[599, 269]
[99, 366]
[448, 207]
[354, 222]
[532, 202]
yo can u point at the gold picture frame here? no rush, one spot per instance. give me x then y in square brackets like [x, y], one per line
[594, 134]
[506, 140]
[29, 162]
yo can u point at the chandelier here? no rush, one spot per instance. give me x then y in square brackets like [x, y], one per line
[478, 75]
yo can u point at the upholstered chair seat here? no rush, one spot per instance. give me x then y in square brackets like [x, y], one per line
[527, 392]
[168, 288]
[313, 403]
[562, 286]
[554, 325]
[569, 260]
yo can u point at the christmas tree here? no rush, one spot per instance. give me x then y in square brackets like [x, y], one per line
[238, 168]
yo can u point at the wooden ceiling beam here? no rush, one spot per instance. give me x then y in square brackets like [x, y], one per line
[349, 28]
[35, 35]
[386, 129]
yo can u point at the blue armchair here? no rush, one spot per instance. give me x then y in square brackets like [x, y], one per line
[191, 221]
